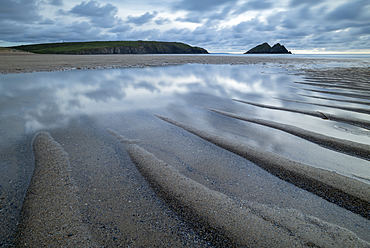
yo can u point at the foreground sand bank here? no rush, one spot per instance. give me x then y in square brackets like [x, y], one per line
[245, 225]
[21, 62]
[51, 215]
[237, 224]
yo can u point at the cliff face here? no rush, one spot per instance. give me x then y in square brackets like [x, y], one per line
[113, 47]
[265, 48]
[142, 50]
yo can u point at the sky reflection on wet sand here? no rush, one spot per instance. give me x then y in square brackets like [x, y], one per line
[127, 99]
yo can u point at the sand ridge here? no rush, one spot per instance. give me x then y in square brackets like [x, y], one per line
[336, 99]
[326, 116]
[334, 86]
[50, 213]
[340, 145]
[346, 192]
[346, 94]
[358, 110]
[249, 224]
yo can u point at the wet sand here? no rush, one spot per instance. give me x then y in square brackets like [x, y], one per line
[345, 192]
[96, 212]
[165, 187]
[20, 62]
[358, 110]
[340, 145]
[51, 215]
[354, 121]
[266, 227]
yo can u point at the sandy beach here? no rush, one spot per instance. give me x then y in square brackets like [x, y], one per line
[19, 62]
[184, 151]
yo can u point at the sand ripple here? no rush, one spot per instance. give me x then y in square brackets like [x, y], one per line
[346, 192]
[50, 213]
[339, 145]
[353, 121]
[336, 99]
[243, 224]
[358, 110]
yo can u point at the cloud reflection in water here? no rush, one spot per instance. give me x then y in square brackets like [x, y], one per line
[48, 100]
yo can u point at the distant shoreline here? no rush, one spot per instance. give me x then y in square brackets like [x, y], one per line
[22, 62]
[112, 47]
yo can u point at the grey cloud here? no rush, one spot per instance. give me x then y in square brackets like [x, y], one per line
[197, 5]
[220, 15]
[208, 17]
[26, 11]
[352, 10]
[289, 23]
[362, 30]
[46, 21]
[253, 5]
[253, 25]
[256, 4]
[144, 18]
[295, 3]
[192, 17]
[9, 29]
[303, 25]
[56, 2]
[79, 31]
[101, 15]
[93, 9]
[120, 28]
[211, 11]
[161, 21]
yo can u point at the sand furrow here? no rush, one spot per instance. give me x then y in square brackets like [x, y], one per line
[353, 121]
[358, 110]
[243, 224]
[50, 213]
[334, 85]
[343, 191]
[327, 79]
[340, 145]
[336, 99]
[353, 95]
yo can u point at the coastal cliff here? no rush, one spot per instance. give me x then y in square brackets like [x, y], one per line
[113, 47]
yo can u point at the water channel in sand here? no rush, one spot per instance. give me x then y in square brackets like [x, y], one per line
[77, 107]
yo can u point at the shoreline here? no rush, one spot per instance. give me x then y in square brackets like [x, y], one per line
[28, 62]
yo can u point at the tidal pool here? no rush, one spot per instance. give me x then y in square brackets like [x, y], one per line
[78, 107]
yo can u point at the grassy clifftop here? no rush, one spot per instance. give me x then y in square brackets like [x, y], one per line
[112, 47]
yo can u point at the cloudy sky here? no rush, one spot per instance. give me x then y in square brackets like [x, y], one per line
[216, 25]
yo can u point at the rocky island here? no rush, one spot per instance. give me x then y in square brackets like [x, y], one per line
[266, 48]
[113, 47]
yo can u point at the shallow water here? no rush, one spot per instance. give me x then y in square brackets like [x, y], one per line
[68, 103]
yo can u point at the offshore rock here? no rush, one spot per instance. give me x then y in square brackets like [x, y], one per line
[265, 48]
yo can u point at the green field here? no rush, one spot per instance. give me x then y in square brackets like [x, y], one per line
[110, 47]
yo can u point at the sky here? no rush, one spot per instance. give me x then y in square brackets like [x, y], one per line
[303, 26]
